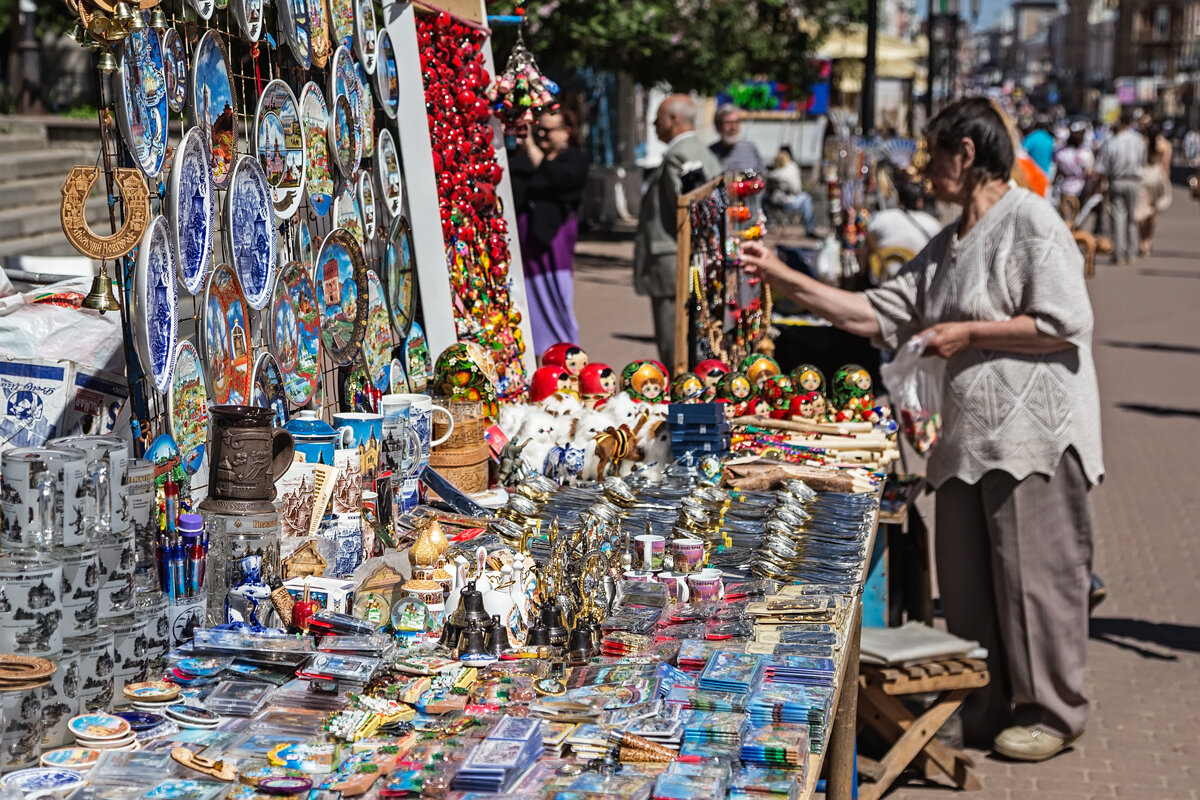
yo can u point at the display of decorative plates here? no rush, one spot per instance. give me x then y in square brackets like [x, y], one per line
[401, 276]
[214, 107]
[318, 31]
[343, 138]
[341, 22]
[342, 296]
[73, 757]
[366, 97]
[366, 34]
[203, 7]
[250, 226]
[314, 117]
[387, 173]
[293, 20]
[225, 346]
[187, 406]
[279, 141]
[43, 781]
[347, 214]
[155, 310]
[98, 727]
[296, 332]
[377, 342]
[304, 244]
[387, 75]
[249, 15]
[268, 388]
[416, 359]
[399, 381]
[190, 205]
[366, 204]
[175, 64]
[141, 101]
[344, 82]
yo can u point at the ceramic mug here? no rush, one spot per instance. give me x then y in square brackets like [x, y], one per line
[705, 586]
[650, 549]
[413, 412]
[316, 438]
[676, 583]
[366, 436]
[638, 576]
[688, 554]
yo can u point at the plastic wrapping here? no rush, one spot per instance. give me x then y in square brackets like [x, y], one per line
[915, 386]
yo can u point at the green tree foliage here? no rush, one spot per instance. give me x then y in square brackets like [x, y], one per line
[51, 15]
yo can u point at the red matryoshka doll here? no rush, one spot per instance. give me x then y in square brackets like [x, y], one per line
[777, 391]
[597, 383]
[568, 356]
[646, 381]
[687, 388]
[548, 380]
[758, 368]
[809, 406]
[710, 371]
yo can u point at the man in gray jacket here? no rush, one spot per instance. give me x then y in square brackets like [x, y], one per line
[654, 243]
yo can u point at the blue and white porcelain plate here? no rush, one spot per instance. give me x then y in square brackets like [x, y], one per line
[43, 779]
[366, 34]
[141, 101]
[249, 15]
[279, 142]
[342, 296]
[366, 204]
[191, 206]
[344, 82]
[314, 118]
[387, 173]
[387, 75]
[176, 65]
[347, 214]
[214, 106]
[367, 99]
[156, 304]
[250, 222]
[268, 388]
[293, 19]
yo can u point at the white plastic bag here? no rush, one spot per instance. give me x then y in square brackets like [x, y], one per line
[914, 384]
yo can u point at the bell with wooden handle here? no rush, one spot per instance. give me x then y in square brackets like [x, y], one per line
[101, 297]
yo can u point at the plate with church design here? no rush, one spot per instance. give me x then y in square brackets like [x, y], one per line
[267, 391]
[190, 203]
[342, 296]
[250, 241]
[296, 332]
[141, 99]
[314, 117]
[279, 142]
[377, 340]
[214, 107]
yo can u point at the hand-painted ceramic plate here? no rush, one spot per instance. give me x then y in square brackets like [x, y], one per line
[214, 107]
[347, 214]
[190, 204]
[268, 388]
[314, 117]
[203, 7]
[416, 359]
[176, 65]
[141, 101]
[318, 31]
[141, 721]
[366, 204]
[187, 407]
[249, 15]
[344, 82]
[293, 20]
[367, 98]
[225, 346]
[156, 305]
[397, 379]
[157, 691]
[387, 173]
[377, 342]
[100, 727]
[250, 222]
[80, 758]
[387, 75]
[343, 138]
[303, 244]
[296, 332]
[192, 714]
[342, 296]
[366, 34]
[279, 141]
[341, 22]
[401, 276]
[53, 780]
[202, 667]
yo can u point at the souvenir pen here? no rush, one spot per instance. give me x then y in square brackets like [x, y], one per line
[203, 561]
[171, 491]
[177, 565]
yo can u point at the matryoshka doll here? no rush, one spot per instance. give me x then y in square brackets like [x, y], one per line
[464, 372]
[734, 387]
[597, 383]
[646, 381]
[758, 368]
[809, 406]
[851, 395]
[710, 371]
[568, 356]
[549, 380]
[777, 391]
[687, 388]
[807, 378]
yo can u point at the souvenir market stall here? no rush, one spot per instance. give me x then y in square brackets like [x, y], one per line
[352, 540]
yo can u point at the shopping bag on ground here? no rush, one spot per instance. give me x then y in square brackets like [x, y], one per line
[914, 384]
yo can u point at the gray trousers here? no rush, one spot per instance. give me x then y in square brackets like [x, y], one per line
[663, 310]
[1122, 200]
[1014, 562]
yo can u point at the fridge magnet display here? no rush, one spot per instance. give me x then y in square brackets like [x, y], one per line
[341, 296]
[314, 118]
[295, 332]
[279, 142]
[225, 348]
[250, 222]
[214, 108]
[155, 304]
[190, 205]
[141, 101]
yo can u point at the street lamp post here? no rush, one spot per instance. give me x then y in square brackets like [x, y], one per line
[29, 91]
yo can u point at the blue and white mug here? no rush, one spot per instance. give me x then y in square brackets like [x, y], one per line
[412, 412]
[363, 432]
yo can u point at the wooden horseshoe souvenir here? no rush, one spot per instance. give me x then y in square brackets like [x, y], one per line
[135, 194]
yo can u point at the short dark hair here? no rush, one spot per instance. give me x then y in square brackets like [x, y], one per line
[977, 119]
[1125, 120]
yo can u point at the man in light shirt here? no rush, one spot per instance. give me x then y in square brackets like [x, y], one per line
[736, 154]
[1120, 168]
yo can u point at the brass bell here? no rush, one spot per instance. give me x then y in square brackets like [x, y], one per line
[123, 15]
[107, 64]
[158, 19]
[78, 32]
[101, 297]
[138, 23]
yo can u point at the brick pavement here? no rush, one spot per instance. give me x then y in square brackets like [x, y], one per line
[1144, 656]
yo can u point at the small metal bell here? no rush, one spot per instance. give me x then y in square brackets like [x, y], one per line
[450, 635]
[123, 15]
[539, 635]
[106, 64]
[581, 645]
[498, 637]
[471, 600]
[101, 297]
[138, 23]
[473, 642]
[158, 19]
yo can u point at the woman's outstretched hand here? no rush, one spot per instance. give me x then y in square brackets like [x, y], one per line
[760, 262]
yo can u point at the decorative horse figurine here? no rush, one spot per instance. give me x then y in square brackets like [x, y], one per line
[615, 445]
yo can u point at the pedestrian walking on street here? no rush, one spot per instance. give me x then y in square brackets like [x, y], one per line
[1155, 195]
[654, 244]
[1120, 165]
[1000, 293]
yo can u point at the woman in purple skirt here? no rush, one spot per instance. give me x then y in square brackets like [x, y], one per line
[549, 173]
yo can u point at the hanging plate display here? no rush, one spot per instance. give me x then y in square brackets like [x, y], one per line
[249, 15]
[401, 275]
[225, 340]
[314, 118]
[341, 296]
[250, 222]
[176, 65]
[202, 7]
[296, 332]
[366, 34]
[141, 102]
[341, 22]
[155, 304]
[416, 359]
[377, 342]
[366, 204]
[367, 98]
[268, 388]
[343, 138]
[347, 214]
[187, 406]
[293, 19]
[213, 107]
[344, 82]
[279, 142]
[191, 207]
[302, 244]
[318, 32]
[387, 172]
[387, 75]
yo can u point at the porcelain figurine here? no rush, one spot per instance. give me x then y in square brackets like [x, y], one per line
[646, 381]
[597, 383]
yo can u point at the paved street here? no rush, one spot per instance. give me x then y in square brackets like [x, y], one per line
[1144, 656]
